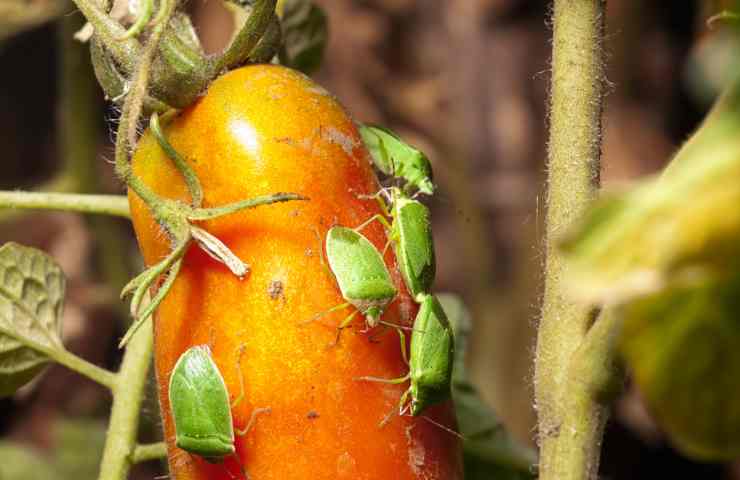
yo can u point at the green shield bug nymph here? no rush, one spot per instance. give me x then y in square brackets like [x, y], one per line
[200, 406]
[394, 157]
[361, 274]
[430, 361]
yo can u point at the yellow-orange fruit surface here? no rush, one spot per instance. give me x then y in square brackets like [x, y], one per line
[260, 130]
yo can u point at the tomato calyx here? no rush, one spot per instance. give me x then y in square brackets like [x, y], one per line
[177, 219]
[182, 70]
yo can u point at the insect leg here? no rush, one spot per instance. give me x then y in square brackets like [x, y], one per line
[345, 323]
[387, 244]
[321, 254]
[398, 327]
[240, 397]
[252, 419]
[393, 412]
[327, 312]
[379, 217]
[403, 408]
[446, 429]
[392, 381]
[404, 353]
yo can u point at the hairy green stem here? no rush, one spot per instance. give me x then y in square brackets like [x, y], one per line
[595, 377]
[247, 38]
[83, 367]
[116, 205]
[269, 45]
[131, 111]
[124, 50]
[128, 394]
[568, 443]
[150, 451]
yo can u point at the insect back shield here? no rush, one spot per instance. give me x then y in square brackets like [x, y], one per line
[361, 273]
[412, 231]
[200, 406]
[432, 351]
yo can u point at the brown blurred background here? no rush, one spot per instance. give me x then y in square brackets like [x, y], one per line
[467, 81]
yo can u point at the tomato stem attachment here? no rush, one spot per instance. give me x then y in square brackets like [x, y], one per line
[182, 71]
[249, 35]
[268, 47]
[146, 8]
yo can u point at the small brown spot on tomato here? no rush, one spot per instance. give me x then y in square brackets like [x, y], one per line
[275, 289]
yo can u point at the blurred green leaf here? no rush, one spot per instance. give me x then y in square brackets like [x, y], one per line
[305, 33]
[31, 299]
[22, 463]
[78, 448]
[713, 62]
[489, 450]
[17, 16]
[676, 229]
[683, 346]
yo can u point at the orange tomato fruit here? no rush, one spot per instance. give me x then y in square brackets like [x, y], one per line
[260, 130]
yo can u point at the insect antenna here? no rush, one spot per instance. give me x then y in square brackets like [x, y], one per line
[446, 429]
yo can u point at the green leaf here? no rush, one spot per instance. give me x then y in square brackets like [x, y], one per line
[676, 229]
[490, 452]
[23, 463]
[683, 347]
[31, 299]
[305, 33]
[78, 447]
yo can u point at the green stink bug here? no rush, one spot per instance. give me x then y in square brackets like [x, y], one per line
[411, 235]
[200, 406]
[430, 361]
[394, 157]
[361, 274]
[432, 350]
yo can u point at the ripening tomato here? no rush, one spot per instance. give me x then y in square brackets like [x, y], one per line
[260, 130]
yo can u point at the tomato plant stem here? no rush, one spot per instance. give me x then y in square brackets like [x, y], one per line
[83, 367]
[150, 451]
[130, 113]
[116, 205]
[248, 36]
[120, 443]
[570, 422]
[111, 33]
